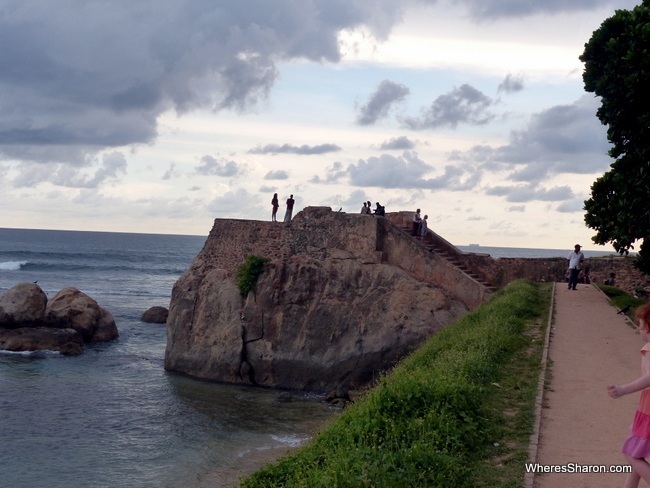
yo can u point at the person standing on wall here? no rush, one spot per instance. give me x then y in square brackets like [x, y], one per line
[575, 259]
[275, 204]
[287, 215]
[416, 223]
[424, 228]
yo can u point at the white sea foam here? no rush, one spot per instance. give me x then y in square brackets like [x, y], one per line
[12, 265]
[290, 440]
[42, 352]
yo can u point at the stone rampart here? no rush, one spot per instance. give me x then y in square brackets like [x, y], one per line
[319, 232]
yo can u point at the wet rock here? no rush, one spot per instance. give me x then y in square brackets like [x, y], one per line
[155, 315]
[71, 308]
[66, 341]
[23, 306]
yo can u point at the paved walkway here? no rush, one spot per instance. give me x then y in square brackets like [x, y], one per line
[590, 347]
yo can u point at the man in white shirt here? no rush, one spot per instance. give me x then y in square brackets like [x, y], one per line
[416, 223]
[575, 259]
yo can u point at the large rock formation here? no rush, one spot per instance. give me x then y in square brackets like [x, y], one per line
[30, 322]
[340, 301]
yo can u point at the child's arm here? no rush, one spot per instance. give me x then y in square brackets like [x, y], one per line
[616, 391]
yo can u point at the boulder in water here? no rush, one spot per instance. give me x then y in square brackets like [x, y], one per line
[23, 306]
[31, 322]
[71, 308]
[155, 315]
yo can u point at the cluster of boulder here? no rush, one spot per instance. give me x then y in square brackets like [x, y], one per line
[29, 321]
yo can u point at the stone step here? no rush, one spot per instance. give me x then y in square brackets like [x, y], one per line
[450, 258]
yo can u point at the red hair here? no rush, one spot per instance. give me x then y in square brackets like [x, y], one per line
[643, 314]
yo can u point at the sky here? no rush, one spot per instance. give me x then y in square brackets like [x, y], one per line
[160, 116]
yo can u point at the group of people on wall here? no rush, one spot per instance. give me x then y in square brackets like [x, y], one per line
[367, 209]
[420, 225]
[275, 204]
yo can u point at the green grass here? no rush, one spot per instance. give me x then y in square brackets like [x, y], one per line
[458, 412]
[620, 299]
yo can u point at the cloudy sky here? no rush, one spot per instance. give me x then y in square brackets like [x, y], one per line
[159, 116]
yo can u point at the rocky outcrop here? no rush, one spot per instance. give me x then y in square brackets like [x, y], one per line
[29, 321]
[155, 315]
[329, 310]
[342, 298]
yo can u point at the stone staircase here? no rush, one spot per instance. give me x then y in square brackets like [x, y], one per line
[429, 243]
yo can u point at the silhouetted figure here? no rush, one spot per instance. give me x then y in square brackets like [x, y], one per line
[287, 215]
[276, 205]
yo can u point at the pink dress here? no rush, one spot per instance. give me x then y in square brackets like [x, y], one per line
[637, 445]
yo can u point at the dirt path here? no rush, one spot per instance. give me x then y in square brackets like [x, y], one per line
[590, 347]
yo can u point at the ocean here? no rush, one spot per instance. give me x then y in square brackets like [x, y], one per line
[521, 252]
[113, 417]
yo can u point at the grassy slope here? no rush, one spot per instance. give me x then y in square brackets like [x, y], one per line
[457, 412]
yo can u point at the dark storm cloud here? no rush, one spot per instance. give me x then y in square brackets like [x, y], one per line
[462, 105]
[211, 166]
[89, 74]
[511, 84]
[401, 142]
[380, 102]
[561, 139]
[289, 149]
[406, 171]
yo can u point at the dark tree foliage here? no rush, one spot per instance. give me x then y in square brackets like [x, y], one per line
[617, 69]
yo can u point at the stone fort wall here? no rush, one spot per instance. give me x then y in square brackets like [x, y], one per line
[320, 233]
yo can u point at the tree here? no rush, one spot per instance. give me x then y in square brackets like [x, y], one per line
[617, 69]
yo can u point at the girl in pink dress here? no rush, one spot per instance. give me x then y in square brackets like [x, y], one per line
[637, 446]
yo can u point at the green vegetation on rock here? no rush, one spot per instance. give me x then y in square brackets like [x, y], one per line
[248, 272]
[458, 412]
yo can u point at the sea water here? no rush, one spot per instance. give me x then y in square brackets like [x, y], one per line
[113, 417]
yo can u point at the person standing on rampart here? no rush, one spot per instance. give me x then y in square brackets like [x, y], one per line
[424, 228]
[289, 212]
[416, 223]
[275, 204]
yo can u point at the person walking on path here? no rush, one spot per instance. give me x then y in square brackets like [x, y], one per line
[290, 202]
[275, 204]
[416, 223]
[580, 426]
[637, 446]
[575, 259]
